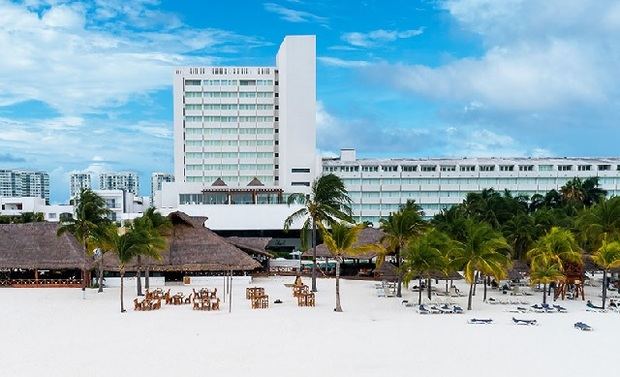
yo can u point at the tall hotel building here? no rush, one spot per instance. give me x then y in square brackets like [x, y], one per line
[245, 136]
[24, 183]
[78, 182]
[125, 180]
[380, 186]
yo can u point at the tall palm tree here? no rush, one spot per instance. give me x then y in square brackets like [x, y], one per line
[483, 249]
[607, 257]
[126, 246]
[90, 212]
[573, 193]
[545, 271]
[156, 227]
[341, 242]
[400, 228]
[423, 256]
[520, 232]
[558, 244]
[327, 202]
[151, 243]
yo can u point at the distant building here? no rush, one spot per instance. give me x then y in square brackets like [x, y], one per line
[24, 183]
[122, 204]
[157, 179]
[379, 187]
[125, 180]
[15, 206]
[79, 182]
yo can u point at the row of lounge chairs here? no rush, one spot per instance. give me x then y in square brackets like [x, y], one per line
[443, 309]
[494, 301]
[385, 289]
[539, 308]
[524, 322]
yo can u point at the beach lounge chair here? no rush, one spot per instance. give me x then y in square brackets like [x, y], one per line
[457, 309]
[434, 309]
[526, 322]
[560, 309]
[582, 326]
[593, 308]
[537, 308]
[380, 293]
[477, 321]
[422, 310]
[389, 292]
[445, 309]
[492, 301]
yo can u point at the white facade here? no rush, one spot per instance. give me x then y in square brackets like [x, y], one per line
[380, 186]
[15, 206]
[123, 205]
[157, 179]
[24, 183]
[244, 136]
[125, 180]
[79, 182]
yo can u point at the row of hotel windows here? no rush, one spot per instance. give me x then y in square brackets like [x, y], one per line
[229, 106]
[468, 181]
[200, 155]
[232, 180]
[230, 94]
[357, 195]
[464, 168]
[229, 82]
[229, 131]
[217, 118]
[228, 167]
[230, 70]
[228, 143]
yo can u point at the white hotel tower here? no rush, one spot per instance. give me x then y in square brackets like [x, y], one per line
[244, 138]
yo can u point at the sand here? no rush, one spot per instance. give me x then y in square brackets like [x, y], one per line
[54, 332]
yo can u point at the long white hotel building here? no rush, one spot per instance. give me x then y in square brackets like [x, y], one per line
[379, 186]
[244, 138]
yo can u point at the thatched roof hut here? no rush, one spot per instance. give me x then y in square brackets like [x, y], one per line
[254, 246]
[193, 247]
[387, 271]
[367, 236]
[36, 246]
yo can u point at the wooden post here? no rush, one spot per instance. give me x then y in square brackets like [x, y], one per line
[36, 276]
[230, 292]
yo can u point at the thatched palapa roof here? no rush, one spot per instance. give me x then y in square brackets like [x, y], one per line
[252, 245]
[193, 247]
[36, 246]
[367, 236]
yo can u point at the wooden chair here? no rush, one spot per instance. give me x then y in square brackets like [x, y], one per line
[215, 304]
[137, 305]
[213, 293]
[197, 303]
[156, 304]
[188, 299]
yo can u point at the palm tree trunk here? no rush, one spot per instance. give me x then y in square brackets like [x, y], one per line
[471, 290]
[313, 255]
[84, 273]
[447, 291]
[604, 287]
[399, 279]
[545, 293]
[475, 282]
[338, 307]
[419, 291]
[100, 283]
[484, 299]
[122, 272]
[428, 288]
[139, 277]
[146, 278]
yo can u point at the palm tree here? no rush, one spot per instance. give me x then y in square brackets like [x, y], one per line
[546, 271]
[558, 244]
[90, 212]
[607, 257]
[423, 256]
[100, 242]
[601, 222]
[150, 240]
[341, 242]
[484, 250]
[400, 228]
[126, 246]
[327, 202]
[520, 232]
[156, 227]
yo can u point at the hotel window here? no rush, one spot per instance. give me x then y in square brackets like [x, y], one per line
[247, 82]
[370, 168]
[604, 167]
[300, 170]
[192, 82]
[448, 168]
[526, 167]
[409, 168]
[391, 181]
[565, 167]
[618, 167]
[389, 168]
[487, 167]
[428, 168]
[193, 94]
[371, 181]
[506, 167]
[467, 168]
[300, 184]
[545, 167]
[584, 167]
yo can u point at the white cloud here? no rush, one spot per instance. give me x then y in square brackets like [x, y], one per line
[337, 62]
[57, 57]
[377, 37]
[292, 15]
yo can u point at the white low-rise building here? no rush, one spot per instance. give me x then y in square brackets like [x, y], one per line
[380, 186]
[16, 206]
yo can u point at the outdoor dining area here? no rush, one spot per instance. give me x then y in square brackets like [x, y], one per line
[204, 299]
[258, 298]
[302, 293]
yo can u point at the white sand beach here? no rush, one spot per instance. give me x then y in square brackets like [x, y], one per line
[54, 332]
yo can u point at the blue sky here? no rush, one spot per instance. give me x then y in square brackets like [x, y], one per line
[87, 85]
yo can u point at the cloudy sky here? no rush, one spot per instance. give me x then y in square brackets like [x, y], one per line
[87, 85]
